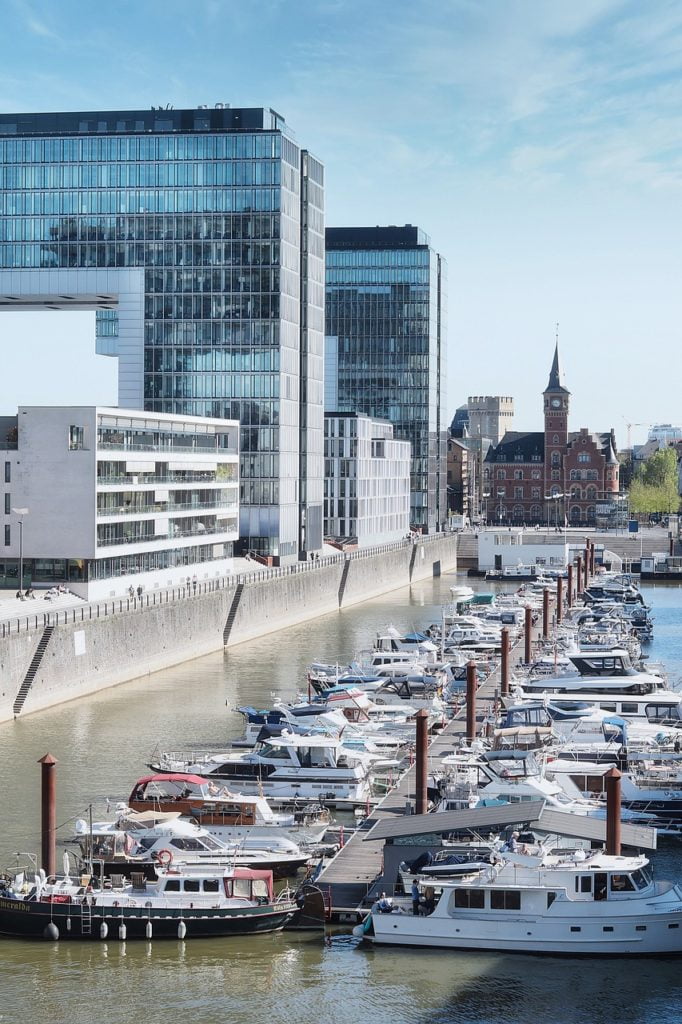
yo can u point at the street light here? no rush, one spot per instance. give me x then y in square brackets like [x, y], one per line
[500, 508]
[555, 498]
[21, 512]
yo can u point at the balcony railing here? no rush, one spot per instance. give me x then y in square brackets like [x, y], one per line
[229, 527]
[162, 449]
[163, 508]
[170, 478]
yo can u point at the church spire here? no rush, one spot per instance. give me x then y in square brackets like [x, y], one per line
[556, 375]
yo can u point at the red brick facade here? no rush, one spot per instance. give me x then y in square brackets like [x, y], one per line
[524, 472]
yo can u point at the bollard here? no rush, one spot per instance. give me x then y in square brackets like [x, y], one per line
[578, 576]
[613, 777]
[422, 769]
[48, 813]
[559, 599]
[471, 701]
[545, 613]
[569, 587]
[528, 634]
[586, 566]
[504, 664]
[592, 558]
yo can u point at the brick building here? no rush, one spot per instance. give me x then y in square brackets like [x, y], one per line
[552, 476]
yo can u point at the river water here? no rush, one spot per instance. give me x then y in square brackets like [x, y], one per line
[102, 744]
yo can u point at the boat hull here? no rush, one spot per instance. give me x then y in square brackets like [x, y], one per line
[20, 919]
[534, 935]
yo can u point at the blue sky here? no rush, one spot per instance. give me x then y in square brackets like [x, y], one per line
[538, 142]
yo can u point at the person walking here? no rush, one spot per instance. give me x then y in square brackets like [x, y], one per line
[194, 583]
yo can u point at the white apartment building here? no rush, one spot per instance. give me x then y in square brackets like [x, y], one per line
[109, 499]
[367, 480]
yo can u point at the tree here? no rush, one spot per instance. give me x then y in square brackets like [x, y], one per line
[655, 485]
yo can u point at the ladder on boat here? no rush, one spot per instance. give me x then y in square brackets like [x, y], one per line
[86, 917]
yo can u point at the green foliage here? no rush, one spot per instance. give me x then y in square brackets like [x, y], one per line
[654, 488]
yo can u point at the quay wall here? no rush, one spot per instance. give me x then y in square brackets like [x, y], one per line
[126, 640]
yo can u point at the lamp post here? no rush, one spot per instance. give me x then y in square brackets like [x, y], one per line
[555, 498]
[21, 512]
[485, 496]
[500, 506]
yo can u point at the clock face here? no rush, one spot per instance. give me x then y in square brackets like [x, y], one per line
[556, 403]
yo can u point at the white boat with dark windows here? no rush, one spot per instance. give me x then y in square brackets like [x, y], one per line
[539, 902]
[286, 768]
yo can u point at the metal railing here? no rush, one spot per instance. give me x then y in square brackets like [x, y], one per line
[160, 596]
[163, 507]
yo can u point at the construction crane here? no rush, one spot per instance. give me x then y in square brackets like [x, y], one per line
[630, 426]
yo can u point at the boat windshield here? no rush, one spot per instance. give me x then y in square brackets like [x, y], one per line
[642, 878]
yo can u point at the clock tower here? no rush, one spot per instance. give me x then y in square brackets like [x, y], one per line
[556, 402]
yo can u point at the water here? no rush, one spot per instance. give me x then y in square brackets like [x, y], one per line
[102, 744]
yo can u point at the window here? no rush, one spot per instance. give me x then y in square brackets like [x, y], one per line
[556, 474]
[7, 504]
[76, 438]
[192, 885]
[621, 883]
[505, 899]
[629, 709]
[575, 929]
[518, 474]
[583, 883]
[470, 898]
[172, 885]
[556, 459]
[518, 492]
[607, 928]
[8, 472]
[211, 885]
[500, 474]
[7, 536]
[584, 457]
[535, 474]
[555, 439]
[551, 896]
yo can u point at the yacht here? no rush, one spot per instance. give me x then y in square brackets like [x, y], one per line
[539, 902]
[210, 902]
[230, 817]
[288, 767]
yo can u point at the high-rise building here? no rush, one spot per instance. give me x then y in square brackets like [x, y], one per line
[197, 236]
[385, 347]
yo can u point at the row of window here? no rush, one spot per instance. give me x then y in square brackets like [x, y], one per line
[248, 335]
[143, 227]
[170, 200]
[241, 146]
[164, 174]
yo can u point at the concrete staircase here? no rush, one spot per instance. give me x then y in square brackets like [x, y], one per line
[232, 614]
[21, 696]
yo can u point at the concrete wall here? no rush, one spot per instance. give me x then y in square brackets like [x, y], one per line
[85, 656]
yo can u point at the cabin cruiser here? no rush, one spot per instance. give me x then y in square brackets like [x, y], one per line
[141, 841]
[288, 767]
[600, 672]
[230, 817]
[208, 902]
[539, 902]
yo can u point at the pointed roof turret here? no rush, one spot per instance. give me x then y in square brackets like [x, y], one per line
[556, 376]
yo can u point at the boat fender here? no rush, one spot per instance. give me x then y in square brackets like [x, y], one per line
[182, 930]
[103, 930]
[51, 932]
[68, 924]
[148, 930]
[122, 932]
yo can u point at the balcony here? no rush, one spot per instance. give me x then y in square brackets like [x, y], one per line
[207, 535]
[163, 508]
[151, 480]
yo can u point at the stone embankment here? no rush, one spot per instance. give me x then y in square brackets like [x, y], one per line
[52, 657]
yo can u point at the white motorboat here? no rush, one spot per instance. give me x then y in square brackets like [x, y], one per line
[285, 768]
[137, 841]
[539, 902]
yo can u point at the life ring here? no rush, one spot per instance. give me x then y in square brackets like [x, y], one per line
[165, 858]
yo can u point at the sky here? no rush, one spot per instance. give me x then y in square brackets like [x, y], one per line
[537, 142]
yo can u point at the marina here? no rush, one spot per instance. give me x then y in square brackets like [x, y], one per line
[117, 782]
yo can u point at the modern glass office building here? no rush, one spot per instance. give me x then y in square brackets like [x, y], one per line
[197, 236]
[385, 347]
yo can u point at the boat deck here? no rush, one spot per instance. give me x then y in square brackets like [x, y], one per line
[353, 875]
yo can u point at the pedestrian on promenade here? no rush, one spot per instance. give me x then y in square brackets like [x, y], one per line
[139, 591]
[194, 583]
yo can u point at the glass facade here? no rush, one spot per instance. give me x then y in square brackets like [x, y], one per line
[385, 328]
[225, 214]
